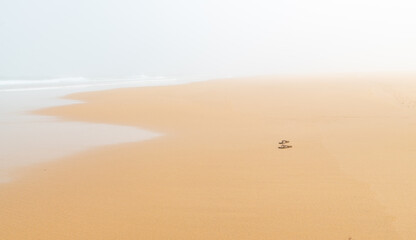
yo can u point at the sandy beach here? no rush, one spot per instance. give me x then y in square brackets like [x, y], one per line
[217, 172]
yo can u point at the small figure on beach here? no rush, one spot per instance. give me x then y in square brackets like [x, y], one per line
[283, 144]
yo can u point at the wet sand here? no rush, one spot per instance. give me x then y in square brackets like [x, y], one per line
[217, 172]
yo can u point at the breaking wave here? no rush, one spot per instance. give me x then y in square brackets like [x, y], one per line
[82, 82]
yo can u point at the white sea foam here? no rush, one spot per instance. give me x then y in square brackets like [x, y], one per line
[7, 85]
[42, 81]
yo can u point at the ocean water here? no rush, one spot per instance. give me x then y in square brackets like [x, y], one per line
[83, 83]
[27, 139]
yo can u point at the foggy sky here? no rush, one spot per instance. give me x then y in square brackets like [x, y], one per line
[130, 37]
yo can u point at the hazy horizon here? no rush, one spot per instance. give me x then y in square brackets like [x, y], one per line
[183, 37]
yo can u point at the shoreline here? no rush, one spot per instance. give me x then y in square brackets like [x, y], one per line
[55, 138]
[216, 173]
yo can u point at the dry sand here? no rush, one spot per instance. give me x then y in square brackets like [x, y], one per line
[217, 172]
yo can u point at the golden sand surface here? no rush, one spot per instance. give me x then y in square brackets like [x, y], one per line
[217, 172]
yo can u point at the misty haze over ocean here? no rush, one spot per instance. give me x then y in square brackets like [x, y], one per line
[107, 38]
